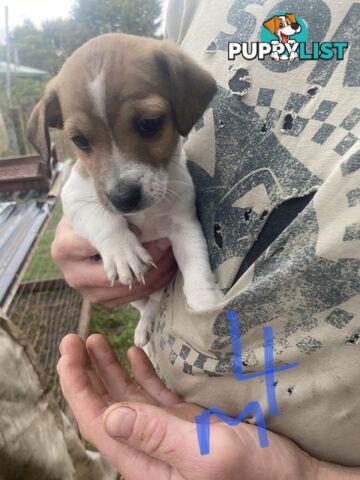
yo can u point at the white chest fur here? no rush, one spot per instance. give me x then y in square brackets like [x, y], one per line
[122, 253]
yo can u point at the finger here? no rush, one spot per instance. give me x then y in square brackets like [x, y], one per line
[120, 295]
[147, 378]
[134, 229]
[68, 245]
[90, 273]
[87, 273]
[99, 387]
[114, 377]
[73, 368]
[69, 346]
[157, 249]
[154, 432]
[88, 410]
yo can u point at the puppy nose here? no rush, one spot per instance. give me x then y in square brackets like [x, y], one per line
[126, 196]
[295, 25]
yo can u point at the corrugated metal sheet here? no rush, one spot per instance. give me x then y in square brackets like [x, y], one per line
[19, 227]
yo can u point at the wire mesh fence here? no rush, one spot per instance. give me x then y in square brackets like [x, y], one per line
[45, 308]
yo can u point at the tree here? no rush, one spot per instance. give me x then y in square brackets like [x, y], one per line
[139, 17]
[33, 48]
[47, 48]
[65, 36]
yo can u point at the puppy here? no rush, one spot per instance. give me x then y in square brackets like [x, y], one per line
[124, 102]
[283, 26]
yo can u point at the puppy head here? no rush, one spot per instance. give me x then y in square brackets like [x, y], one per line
[286, 24]
[123, 101]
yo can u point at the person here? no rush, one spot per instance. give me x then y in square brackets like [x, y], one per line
[37, 440]
[152, 431]
[275, 162]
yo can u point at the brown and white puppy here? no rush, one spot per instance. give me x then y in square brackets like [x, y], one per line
[284, 27]
[124, 102]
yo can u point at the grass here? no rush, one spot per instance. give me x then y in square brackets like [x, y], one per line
[42, 266]
[118, 325]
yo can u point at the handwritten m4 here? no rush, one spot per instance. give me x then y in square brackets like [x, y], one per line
[203, 420]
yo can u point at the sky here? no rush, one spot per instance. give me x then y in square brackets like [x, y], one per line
[35, 10]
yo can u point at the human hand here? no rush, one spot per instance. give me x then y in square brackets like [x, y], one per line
[152, 432]
[84, 271]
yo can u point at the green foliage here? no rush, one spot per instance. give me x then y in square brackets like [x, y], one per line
[42, 265]
[118, 325]
[46, 48]
[26, 92]
[139, 17]
[98, 17]
[65, 36]
[34, 49]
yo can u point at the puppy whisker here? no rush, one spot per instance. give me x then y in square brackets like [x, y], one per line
[179, 182]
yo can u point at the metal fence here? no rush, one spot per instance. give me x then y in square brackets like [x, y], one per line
[33, 293]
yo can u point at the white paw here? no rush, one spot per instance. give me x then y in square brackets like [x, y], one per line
[143, 331]
[275, 56]
[125, 259]
[203, 298]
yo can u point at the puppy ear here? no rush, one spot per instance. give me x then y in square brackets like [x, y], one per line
[191, 87]
[291, 17]
[47, 113]
[271, 24]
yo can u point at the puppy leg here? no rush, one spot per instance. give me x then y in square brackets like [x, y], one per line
[123, 255]
[191, 253]
[149, 308]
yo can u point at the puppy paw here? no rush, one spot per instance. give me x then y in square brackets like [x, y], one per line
[125, 259]
[203, 298]
[275, 56]
[143, 331]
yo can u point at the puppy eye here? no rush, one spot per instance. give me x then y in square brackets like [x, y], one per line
[147, 127]
[81, 142]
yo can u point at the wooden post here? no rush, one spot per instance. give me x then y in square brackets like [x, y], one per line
[8, 114]
[8, 73]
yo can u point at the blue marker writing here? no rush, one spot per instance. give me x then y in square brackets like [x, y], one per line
[203, 420]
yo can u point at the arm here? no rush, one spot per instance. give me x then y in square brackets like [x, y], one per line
[152, 430]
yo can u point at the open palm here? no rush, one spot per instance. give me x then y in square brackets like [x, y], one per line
[154, 433]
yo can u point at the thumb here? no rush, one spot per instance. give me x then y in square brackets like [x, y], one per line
[153, 431]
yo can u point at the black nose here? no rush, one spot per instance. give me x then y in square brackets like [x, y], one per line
[295, 26]
[126, 196]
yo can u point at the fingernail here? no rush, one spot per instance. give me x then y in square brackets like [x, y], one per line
[120, 422]
[163, 244]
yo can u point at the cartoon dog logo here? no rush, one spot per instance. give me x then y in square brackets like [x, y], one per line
[283, 26]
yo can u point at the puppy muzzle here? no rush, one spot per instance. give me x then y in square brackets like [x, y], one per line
[126, 197]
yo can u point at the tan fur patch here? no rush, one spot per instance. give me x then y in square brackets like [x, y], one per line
[142, 79]
[273, 24]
